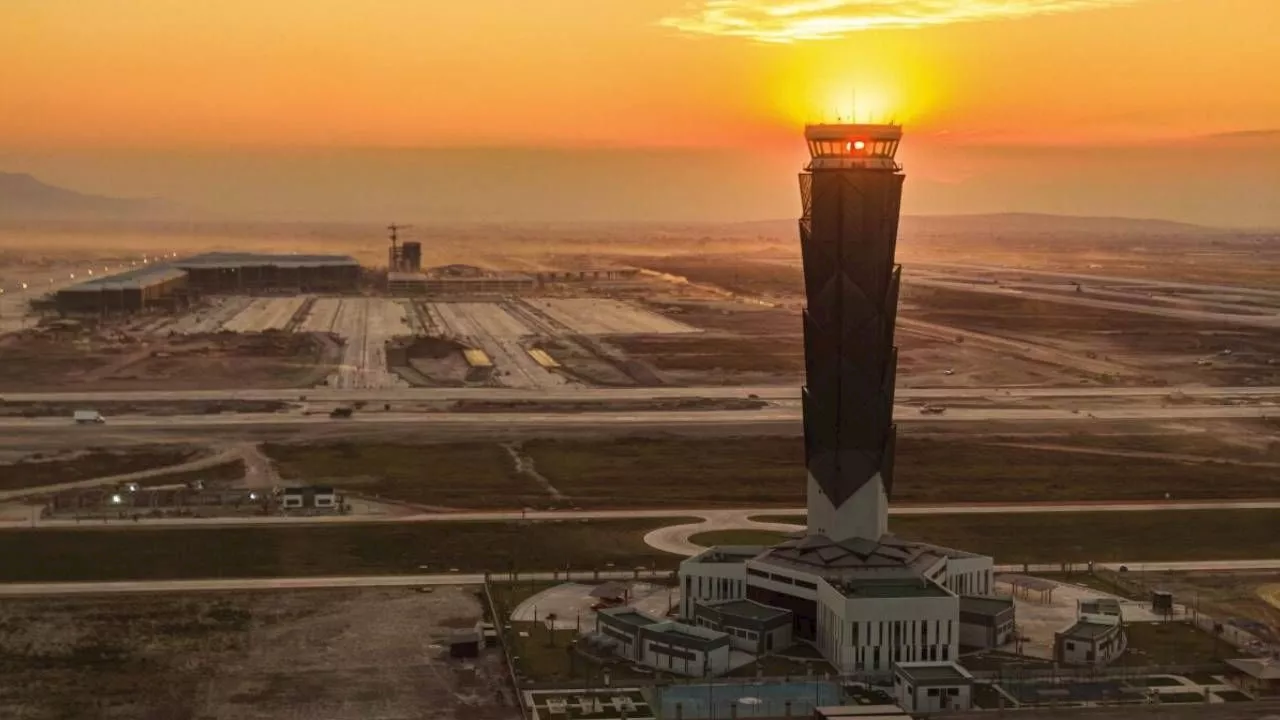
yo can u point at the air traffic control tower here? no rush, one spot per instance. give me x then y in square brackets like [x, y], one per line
[851, 191]
[847, 583]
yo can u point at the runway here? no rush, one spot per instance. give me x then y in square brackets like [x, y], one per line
[780, 414]
[764, 392]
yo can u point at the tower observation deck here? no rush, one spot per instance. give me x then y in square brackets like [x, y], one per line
[851, 192]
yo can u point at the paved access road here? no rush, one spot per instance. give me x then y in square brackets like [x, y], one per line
[764, 392]
[712, 519]
[784, 415]
[283, 583]
[296, 583]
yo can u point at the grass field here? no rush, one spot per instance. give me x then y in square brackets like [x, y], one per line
[147, 554]
[1098, 536]
[761, 471]
[738, 537]
[1172, 643]
[223, 472]
[461, 475]
[38, 472]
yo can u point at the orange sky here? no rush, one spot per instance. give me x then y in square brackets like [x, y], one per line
[279, 108]
[181, 74]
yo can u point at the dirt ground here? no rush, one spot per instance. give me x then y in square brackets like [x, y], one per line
[742, 286]
[249, 656]
[60, 362]
[1234, 597]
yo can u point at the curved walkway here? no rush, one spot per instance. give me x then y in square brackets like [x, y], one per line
[675, 538]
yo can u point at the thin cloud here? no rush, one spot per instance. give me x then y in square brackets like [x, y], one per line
[785, 21]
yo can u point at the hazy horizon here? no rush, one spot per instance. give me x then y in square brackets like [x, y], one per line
[652, 110]
[1215, 182]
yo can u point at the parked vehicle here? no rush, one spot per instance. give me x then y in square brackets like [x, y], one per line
[341, 412]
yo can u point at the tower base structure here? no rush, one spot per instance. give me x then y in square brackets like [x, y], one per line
[864, 514]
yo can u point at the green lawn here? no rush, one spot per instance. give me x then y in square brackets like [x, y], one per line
[738, 537]
[1172, 643]
[455, 475]
[153, 554]
[38, 472]
[223, 472]
[1152, 536]
[762, 471]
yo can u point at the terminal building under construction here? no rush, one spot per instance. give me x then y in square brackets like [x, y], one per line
[169, 285]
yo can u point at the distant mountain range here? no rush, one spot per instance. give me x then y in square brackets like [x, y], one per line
[23, 197]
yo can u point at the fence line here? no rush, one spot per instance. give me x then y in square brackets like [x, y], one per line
[498, 624]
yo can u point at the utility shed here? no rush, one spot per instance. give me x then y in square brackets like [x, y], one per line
[465, 644]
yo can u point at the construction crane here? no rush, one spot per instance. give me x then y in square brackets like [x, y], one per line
[393, 260]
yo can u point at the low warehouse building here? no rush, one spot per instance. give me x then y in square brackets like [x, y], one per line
[928, 687]
[126, 292]
[1260, 676]
[985, 622]
[663, 644]
[751, 627]
[244, 272]
[310, 498]
[405, 283]
[1093, 640]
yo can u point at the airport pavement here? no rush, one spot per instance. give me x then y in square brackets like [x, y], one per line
[287, 583]
[764, 392]
[712, 518]
[446, 579]
[1085, 300]
[780, 414]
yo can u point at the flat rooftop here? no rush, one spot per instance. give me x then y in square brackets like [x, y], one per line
[245, 259]
[985, 605]
[891, 588]
[687, 635]
[629, 616]
[138, 277]
[934, 673]
[728, 554]
[748, 609]
[1085, 630]
[1261, 668]
[1099, 606]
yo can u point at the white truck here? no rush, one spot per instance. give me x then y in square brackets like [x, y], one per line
[86, 417]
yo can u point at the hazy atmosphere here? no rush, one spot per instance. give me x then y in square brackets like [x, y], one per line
[643, 110]
[639, 359]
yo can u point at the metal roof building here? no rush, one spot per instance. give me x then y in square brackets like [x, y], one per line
[244, 259]
[129, 291]
[232, 272]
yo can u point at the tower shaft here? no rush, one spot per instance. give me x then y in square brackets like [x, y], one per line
[848, 238]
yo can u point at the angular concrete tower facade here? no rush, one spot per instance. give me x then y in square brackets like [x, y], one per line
[852, 193]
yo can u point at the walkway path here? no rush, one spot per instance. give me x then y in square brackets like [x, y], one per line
[720, 519]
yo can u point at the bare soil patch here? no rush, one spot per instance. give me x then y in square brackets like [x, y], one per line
[318, 653]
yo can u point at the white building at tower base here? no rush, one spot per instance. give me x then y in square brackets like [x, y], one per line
[865, 605]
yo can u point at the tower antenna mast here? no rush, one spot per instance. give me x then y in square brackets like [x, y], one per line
[393, 259]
